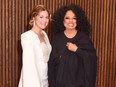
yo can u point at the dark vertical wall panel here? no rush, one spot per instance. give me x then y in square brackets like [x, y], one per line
[14, 20]
[0, 45]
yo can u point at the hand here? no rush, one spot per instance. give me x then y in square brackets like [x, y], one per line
[71, 46]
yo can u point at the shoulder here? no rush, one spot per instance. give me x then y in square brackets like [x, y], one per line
[83, 35]
[27, 33]
[28, 36]
[58, 35]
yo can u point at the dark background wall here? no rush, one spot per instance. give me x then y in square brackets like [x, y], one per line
[14, 19]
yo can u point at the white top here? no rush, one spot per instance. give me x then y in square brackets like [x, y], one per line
[45, 50]
[35, 57]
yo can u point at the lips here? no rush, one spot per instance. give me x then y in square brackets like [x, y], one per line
[70, 25]
[43, 24]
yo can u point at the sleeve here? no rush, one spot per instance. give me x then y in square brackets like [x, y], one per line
[51, 66]
[87, 52]
[29, 73]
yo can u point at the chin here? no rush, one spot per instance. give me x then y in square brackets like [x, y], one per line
[71, 28]
[43, 28]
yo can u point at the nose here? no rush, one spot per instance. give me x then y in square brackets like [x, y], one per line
[71, 20]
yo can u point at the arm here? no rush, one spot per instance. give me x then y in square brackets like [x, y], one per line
[51, 66]
[84, 49]
[90, 65]
[29, 73]
[87, 52]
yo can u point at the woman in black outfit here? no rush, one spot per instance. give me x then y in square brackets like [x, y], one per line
[72, 61]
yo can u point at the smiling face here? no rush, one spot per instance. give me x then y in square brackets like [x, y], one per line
[41, 20]
[70, 21]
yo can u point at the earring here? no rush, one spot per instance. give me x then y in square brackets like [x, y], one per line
[33, 23]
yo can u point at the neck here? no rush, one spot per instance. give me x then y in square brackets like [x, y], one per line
[70, 33]
[37, 31]
[39, 34]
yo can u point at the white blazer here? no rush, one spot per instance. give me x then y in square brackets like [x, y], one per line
[34, 69]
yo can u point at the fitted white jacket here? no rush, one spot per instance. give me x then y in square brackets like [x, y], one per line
[34, 68]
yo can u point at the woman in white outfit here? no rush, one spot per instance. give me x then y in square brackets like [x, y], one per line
[36, 50]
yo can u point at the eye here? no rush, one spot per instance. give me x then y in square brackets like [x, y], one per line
[47, 17]
[41, 16]
[67, 18]
[74, 18]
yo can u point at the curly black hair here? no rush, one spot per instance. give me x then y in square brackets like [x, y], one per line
[82, 22]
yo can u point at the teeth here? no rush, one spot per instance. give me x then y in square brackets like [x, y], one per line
[70, 24]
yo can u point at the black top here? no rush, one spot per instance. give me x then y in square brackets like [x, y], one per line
[72, 69]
